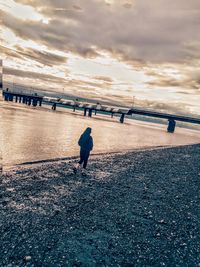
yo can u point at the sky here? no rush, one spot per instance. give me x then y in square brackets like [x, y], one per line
[139, 52]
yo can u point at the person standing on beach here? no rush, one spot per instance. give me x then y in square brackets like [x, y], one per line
[86, 145]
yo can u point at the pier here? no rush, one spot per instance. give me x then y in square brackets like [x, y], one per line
[27, 99]
[90, 109]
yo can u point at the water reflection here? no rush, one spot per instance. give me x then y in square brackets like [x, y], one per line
[31, 134]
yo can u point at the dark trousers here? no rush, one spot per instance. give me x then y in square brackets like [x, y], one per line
[84, 155]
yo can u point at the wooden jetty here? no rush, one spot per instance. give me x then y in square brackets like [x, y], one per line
[29, 99]
[88, 108]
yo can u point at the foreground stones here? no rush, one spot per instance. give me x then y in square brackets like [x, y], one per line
[134, 209]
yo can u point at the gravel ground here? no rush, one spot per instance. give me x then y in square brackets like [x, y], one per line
[132, 209]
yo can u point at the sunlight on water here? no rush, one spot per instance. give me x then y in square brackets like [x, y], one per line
[31, 134]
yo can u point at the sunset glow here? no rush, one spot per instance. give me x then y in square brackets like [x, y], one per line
[108, 50]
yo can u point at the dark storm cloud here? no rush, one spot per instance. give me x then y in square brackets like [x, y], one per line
[30, 30]
[42, 57]
[172, 82]
[10, 53]
[32, 75]
[69, 83]
[166, 82]
[189, 80]
[154, 31]
[58, 34]
[104, 79]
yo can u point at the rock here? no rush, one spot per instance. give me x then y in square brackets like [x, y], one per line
[27, 258]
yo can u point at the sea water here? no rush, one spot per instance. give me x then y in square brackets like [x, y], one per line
[32, 134]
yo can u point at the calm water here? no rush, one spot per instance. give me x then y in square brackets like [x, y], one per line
[31, 134]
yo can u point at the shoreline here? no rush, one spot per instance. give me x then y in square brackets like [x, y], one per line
[7, 168]
[131, 209]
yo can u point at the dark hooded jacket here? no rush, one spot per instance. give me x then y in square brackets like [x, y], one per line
[86, 141]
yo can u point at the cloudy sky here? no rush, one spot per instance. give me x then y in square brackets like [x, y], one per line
[117, 50]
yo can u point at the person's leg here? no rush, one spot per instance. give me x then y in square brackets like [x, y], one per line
[81, 157]
[78, 165]
[85, 160]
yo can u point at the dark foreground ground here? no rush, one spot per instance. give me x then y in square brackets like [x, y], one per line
[135, 209]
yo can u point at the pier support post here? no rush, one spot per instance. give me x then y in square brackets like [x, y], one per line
[40, 103]
[10, 97]
[20, 99]
[54, 106]
[34, 103]
[29, 101]
[6, 97]
[90, 113]
[122, 118]
[85, 111]
[111, 114]
[16, 98]
[171, 126]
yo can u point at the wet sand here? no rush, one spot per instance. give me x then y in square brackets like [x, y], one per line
[139, 208]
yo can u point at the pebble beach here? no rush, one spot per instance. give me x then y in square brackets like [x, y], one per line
[139, 208]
